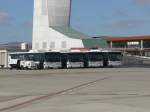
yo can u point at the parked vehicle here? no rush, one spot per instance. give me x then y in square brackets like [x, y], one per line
[25, 60]
[52, 60]
[73, 59]
[94, 59]
[14, 61]
[70, 59]
[112, 58]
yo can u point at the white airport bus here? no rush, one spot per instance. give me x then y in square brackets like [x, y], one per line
[94, 59]
[112, 58]
[52, 60]
[47, 60]
[25, 60]
[73, 59]
[14, 61]
[35, 60]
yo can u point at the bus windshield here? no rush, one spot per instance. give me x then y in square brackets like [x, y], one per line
[52, 57]
[29, 57]
[14, 56]
[17, 56]
[38, 57]
[95, 57]
[75, 57]
[115, 56]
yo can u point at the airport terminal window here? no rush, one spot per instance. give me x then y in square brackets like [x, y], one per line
[146, 44]
[119, 44]
[134, 44]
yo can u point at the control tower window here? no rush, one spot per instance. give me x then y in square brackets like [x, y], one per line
[44, 7]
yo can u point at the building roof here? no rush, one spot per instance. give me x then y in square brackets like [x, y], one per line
[95, 43]
[88, 42]
[131, 38]
[70, 32]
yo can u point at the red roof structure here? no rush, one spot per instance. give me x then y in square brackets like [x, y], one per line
[131, 38]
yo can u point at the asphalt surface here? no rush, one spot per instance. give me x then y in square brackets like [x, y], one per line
[76, 90]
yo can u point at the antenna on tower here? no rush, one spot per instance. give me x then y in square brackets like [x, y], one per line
[70, 12]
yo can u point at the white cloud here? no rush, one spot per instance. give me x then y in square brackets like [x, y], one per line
[5, 19]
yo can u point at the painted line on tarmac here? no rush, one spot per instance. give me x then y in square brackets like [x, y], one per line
[27, 101]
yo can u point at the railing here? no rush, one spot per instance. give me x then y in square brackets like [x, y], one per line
[136, 60]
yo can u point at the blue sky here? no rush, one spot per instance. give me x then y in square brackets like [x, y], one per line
[92, 17]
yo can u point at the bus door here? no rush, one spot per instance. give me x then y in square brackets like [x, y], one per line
[64, 59]
[95, 59]
[105, 59]
[75, 60]
[52, 60]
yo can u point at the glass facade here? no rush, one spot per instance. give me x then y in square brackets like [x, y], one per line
[119, 44]
[134, 47]
[134, 44]
[146, 44]
[131, 44]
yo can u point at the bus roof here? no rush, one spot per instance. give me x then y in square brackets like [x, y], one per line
[32, 52]
[110, 51]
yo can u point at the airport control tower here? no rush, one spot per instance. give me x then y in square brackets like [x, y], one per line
[52, 30]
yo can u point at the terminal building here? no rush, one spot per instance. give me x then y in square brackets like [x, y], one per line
[135, 45]
[52, 30]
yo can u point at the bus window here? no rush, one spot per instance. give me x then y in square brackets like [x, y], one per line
[52, 60]
[52, 57]
[115, 56]
[75, 57]
[95, 57]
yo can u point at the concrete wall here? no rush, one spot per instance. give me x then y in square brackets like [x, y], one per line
[59, 12]
[3, 58]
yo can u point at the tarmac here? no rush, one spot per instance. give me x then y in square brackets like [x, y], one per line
[76, 90]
